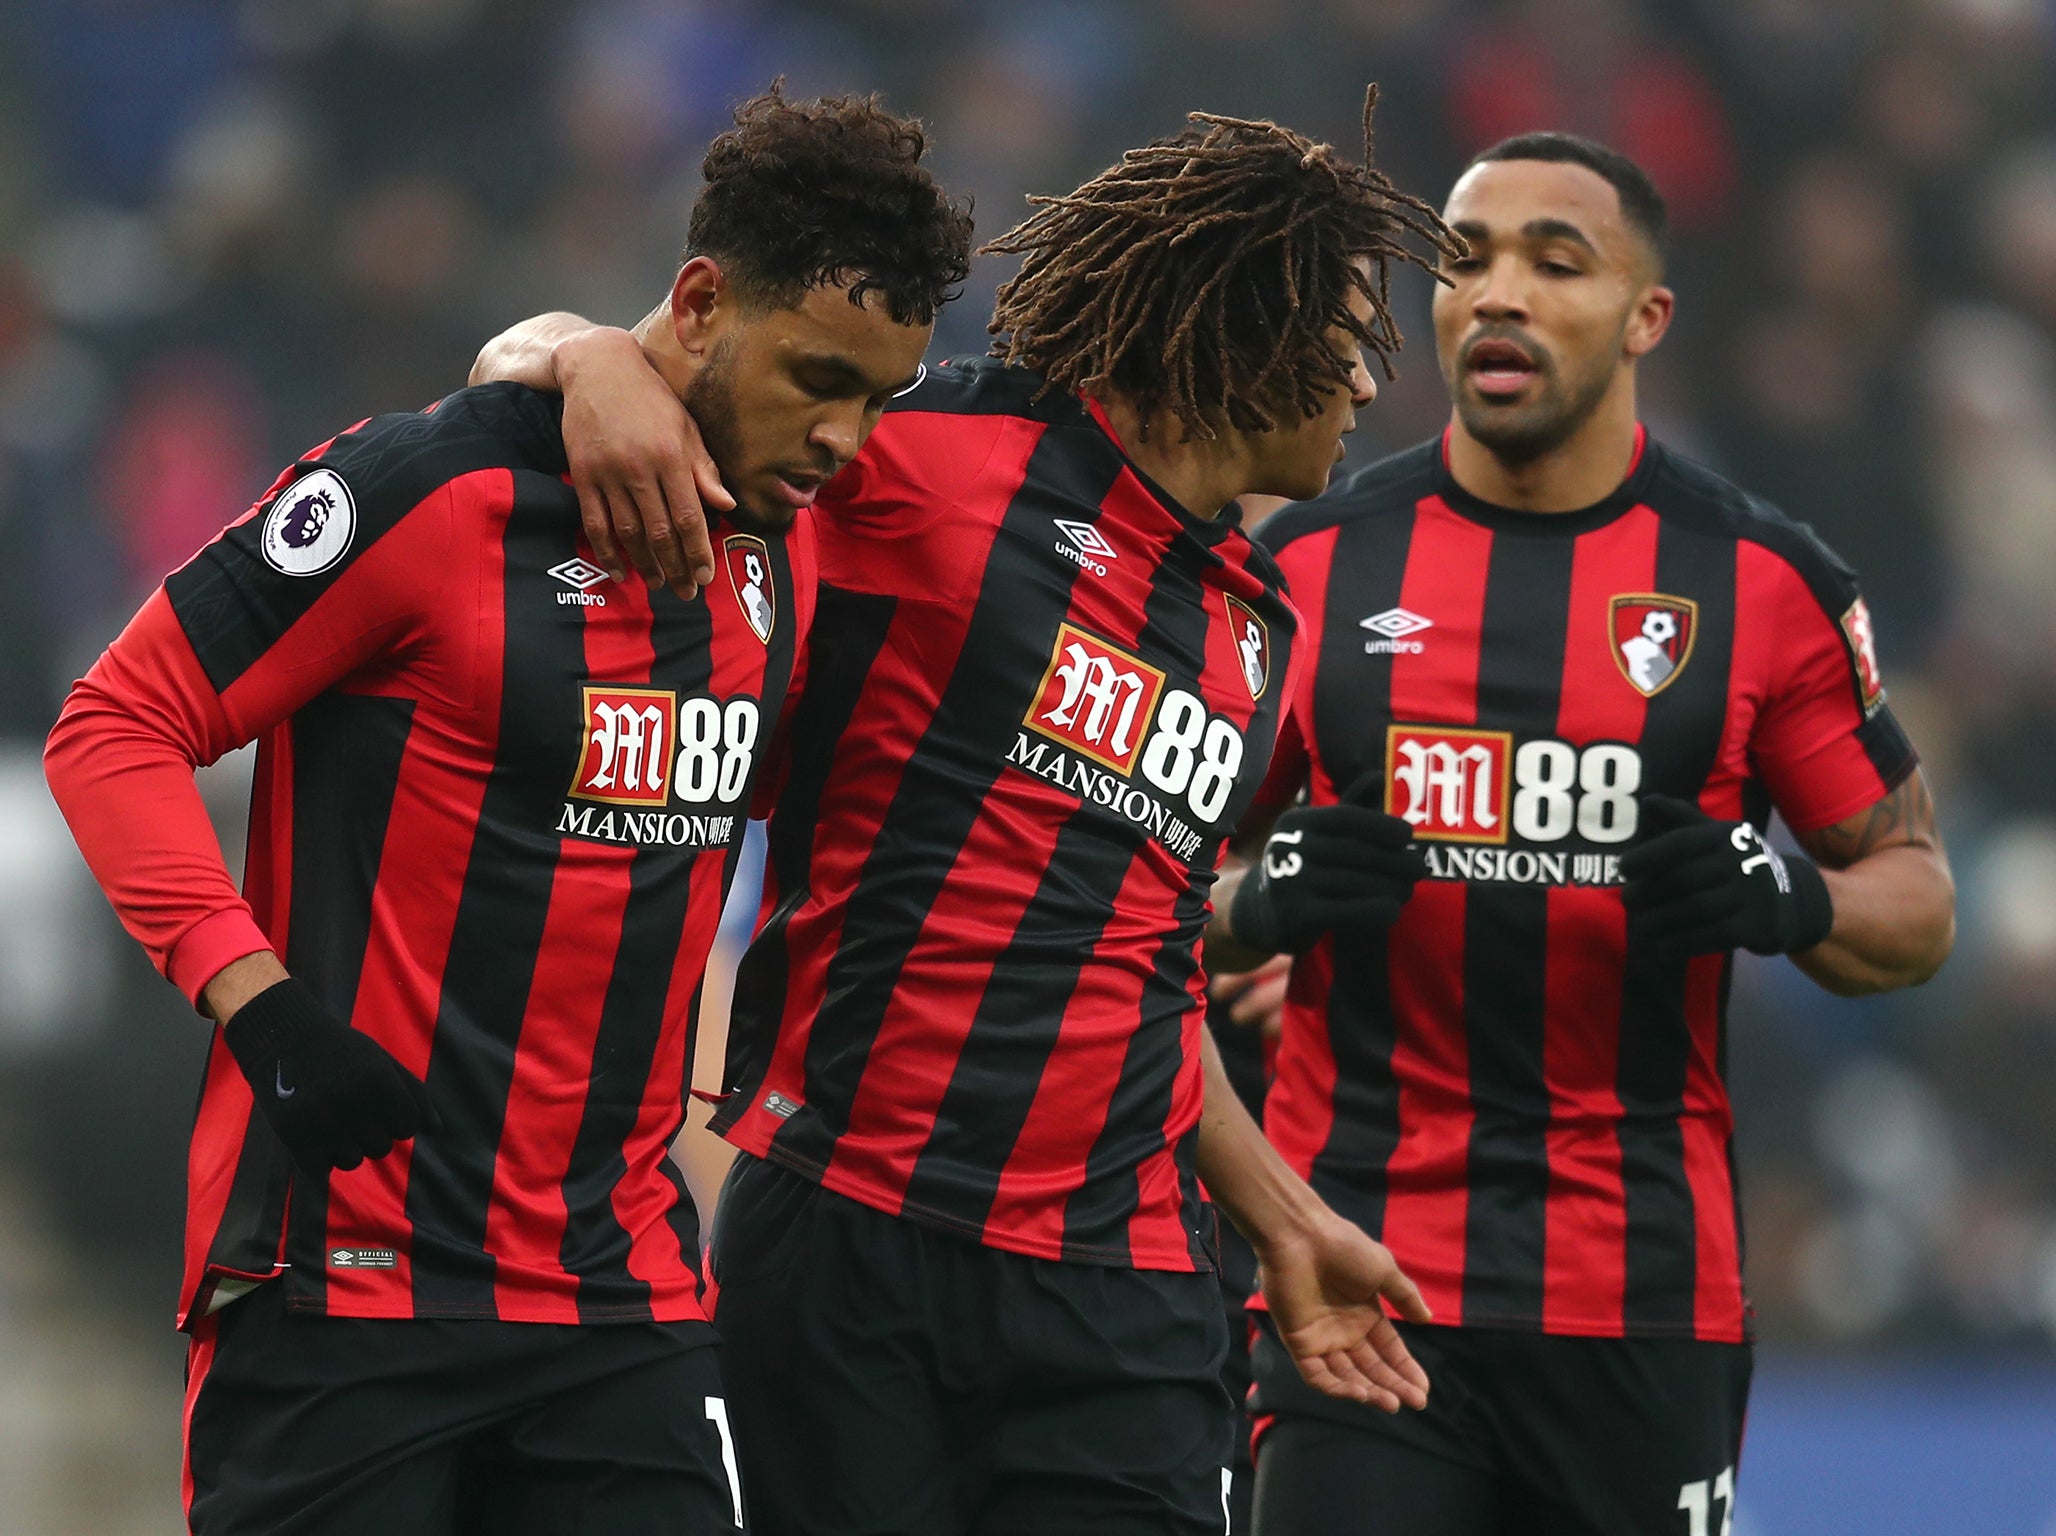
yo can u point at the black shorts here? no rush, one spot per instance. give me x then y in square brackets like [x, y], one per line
[891, 1379]
[303, 1426]
[1524, 1434]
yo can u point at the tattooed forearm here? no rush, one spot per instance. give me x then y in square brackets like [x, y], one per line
[1904, 818]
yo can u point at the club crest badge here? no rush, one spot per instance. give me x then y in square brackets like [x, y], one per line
[1863, 654]
[310, 525]
[1252, 646]
[1652, 637]
[749, 572]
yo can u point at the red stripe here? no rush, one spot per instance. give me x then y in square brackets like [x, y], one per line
[1427, 1177]
[1307, 562]
[645, 1198]
[222, 1123]
[553, 1057]
[990, 884]
[1299, 1110]
[1585, 1221]
[1709, 1128]
[1047, 1165]
[895, 703]
[436, 804]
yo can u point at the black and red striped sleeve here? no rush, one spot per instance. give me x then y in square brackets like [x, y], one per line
[1303, 562]
[272, 613]
[1825, 743]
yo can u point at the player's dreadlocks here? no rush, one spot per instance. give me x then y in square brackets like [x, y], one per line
[1203, 274]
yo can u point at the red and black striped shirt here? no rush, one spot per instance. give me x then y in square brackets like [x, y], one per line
[1532, 1116]
[1040, 695]
[496, 806]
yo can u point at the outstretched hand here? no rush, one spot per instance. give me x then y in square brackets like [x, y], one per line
[1326, 1291]
[643, 476]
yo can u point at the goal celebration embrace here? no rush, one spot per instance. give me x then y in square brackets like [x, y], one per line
[1045, 732]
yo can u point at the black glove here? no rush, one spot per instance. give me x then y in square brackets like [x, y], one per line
[1338, 868]
[1697, 886]
[334, 1096]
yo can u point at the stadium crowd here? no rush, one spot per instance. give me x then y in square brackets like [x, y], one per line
[227, 229]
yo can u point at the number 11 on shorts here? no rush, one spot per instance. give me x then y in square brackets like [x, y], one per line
[1694, 1500]
[717, 1410]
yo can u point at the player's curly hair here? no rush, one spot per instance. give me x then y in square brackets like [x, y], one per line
[1204, 273]
[799, 194]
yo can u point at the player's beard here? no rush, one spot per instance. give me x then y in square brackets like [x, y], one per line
[1521, 433]
[710, 397]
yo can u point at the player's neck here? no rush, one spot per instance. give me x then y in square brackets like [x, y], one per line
[1201, 476]
[1585, 468]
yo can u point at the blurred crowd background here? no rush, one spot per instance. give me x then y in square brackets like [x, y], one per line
[229, 229]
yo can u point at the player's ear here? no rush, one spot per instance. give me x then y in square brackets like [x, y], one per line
[1650, 319]
[701, 298]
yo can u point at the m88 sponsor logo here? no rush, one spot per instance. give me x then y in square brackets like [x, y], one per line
[1119, 721]
[1490, 808]
[649, 761]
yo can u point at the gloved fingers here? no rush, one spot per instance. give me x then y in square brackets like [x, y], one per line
[1665, 813]
[1340, 871]
[1366, 789]
[1362, 824]
[1710, 872]
[374, 1144]
[1370, 916]
[1673, 847]
[402, 1102]
[1706, 911]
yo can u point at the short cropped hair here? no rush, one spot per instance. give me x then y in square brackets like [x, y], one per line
[805, 194]
[1641, 204]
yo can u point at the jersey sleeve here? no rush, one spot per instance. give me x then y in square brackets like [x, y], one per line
[296, 597]
[1825, 745]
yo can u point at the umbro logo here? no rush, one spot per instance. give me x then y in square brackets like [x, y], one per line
[1394, 626]
[1087, 546]
[580, 573]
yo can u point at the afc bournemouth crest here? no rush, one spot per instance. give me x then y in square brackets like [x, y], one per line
[1252, 646]
[749, 572]
[1652, 638]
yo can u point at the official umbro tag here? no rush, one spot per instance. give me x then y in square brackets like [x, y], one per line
[778, 1104]
[362, 1258]
[310, 525]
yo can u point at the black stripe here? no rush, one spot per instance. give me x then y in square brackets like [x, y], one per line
[346, 768]
[1506, 948]
[234, 607]
[596, 1246]
[1352, 706]
[1176, 619]
[849, 631]
[1023, 597]
[500, 911]
[1681, 739]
